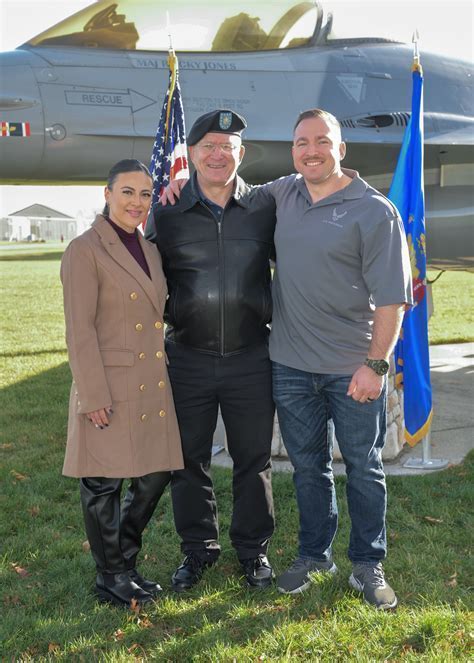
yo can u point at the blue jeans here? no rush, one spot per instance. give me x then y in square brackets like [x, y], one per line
[305, 402]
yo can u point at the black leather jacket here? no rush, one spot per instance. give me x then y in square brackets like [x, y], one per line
[218, 271]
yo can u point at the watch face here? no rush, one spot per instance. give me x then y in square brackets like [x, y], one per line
[379, 366]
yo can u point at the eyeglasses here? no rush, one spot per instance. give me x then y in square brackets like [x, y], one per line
[227, 148]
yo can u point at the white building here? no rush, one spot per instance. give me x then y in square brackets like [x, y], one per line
[38, 222]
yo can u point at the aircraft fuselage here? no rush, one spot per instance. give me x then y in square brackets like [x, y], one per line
[84, 109]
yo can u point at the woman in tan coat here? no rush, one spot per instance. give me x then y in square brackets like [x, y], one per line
[122, 422]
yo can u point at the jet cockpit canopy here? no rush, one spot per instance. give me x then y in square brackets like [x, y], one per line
[213, 25]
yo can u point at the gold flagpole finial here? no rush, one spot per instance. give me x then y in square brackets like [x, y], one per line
[416, 53]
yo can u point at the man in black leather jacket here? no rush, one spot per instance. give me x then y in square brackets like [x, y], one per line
[215, 245]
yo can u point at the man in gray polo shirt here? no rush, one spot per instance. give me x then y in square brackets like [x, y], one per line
[341, 286]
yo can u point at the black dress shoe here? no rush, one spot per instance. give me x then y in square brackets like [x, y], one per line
[258, 572]
[189, 572]
[119, 589]
[149, 586]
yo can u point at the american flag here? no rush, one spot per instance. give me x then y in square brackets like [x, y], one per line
[169, 159]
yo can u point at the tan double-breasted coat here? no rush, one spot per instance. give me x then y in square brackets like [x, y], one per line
[114, 335]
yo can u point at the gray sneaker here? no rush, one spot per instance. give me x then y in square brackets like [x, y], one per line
[296, 579]
[370, 580]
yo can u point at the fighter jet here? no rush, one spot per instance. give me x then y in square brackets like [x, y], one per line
[89, 90]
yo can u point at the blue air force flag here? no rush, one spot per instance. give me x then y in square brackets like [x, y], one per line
[412, 350]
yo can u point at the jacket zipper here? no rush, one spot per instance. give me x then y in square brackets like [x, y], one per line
[221, 281]
[220, 255]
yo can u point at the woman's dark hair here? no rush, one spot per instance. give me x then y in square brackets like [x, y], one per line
[124, 166]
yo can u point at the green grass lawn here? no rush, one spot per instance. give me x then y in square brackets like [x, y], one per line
[46, 602]
[453, 298]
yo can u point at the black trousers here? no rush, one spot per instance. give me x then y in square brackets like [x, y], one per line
[114, 527]
[241, 385]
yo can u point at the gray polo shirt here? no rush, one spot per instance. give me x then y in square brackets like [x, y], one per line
[336, 261]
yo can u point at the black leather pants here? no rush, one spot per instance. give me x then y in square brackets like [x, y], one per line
[114, 528]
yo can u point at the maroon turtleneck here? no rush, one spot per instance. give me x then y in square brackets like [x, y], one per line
[132, 244]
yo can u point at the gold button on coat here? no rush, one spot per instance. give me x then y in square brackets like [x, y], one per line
[158, 324]
[139, 326]
[133, 295]
[159, 354]
[142, 387]
[142, 355]
[143, 417]
[162, 413]
[161, 384]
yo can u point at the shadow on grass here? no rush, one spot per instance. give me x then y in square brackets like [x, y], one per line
[35, 353]
[36, 408]
[31, 256]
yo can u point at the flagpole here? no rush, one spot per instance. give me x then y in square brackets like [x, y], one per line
[169, 159]
[426, 462]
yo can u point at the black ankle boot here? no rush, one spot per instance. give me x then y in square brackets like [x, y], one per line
[119, 589]
[149, 586]
[257, 571]
[189, 572]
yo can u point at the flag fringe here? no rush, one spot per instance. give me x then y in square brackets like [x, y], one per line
[413, 440]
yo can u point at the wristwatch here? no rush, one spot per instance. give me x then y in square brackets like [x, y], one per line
[379, 366]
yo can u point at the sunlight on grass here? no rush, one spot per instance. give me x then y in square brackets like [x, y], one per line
[453, 318]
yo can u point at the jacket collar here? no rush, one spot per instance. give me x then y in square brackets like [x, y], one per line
[190, 195]
[114, 247]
